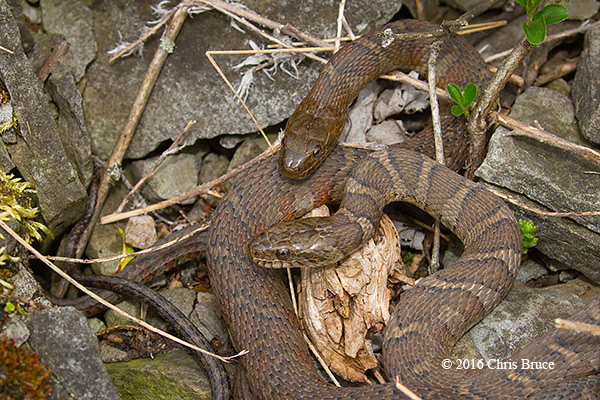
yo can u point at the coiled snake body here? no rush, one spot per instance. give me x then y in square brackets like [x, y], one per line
[430, 318]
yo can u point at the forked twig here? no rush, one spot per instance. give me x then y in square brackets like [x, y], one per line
[478, 124]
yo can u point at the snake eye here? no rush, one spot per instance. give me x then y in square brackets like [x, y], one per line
[282, 254]
[317, 152]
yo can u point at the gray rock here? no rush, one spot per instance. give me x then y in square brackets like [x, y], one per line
[27, 287]
[582, 288]
[130, 306]
[529, 270]
[560, 85]
[6, 119]
[249, 149]
[66, 346]
[189, 87]
[523, 315]
[582, 9]
[465, 5]
[173, 376]
[587, 86]
[207, 311]
[110, 354]
[105, 240]
[38, 151]
[563, 241]
[183, 299]
[213, 166]
[71, 122]
[96, 325]
[141, 232]
[73, 20]
[177, 175]
[17, 331]
[547, 177]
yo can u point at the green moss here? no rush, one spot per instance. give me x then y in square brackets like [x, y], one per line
[24, 376]
[173, 376]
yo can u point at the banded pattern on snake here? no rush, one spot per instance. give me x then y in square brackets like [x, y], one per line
[431, 316]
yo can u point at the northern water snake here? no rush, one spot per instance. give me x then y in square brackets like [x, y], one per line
[431, 317]
[317, 123]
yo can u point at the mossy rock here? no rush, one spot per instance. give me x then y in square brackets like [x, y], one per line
[172, 376]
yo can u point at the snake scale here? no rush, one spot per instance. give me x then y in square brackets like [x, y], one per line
[432, 316]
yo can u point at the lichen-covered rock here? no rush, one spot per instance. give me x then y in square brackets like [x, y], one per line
[62, 338]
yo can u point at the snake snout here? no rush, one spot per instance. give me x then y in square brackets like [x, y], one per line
[292, 164]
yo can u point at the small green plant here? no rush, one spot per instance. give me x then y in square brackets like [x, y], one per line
[462, 99]
[528, 230]
[537, 22]
[408, 258]
[16, 202]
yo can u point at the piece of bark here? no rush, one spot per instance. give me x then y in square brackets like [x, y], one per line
[38, 152]
[342, 306]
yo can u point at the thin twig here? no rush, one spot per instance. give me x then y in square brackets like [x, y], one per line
[220, 72]
[253, 16]
[116, 158]
[577, 326]
[317, 355]
[134, 254]
[406, 391]
[263, 33]
[270, 51]
[520, 129]
[434, 51]
[399, 76]
[348, 29]
[6, 50]
[339, 25]
[517, 203]
[157, 164]
[105, 303]
[204, 188]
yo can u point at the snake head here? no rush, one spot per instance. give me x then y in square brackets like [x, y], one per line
[301, 243]
[307, 141]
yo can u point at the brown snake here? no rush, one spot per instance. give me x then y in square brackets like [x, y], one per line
[430, 318]
[317, 123]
